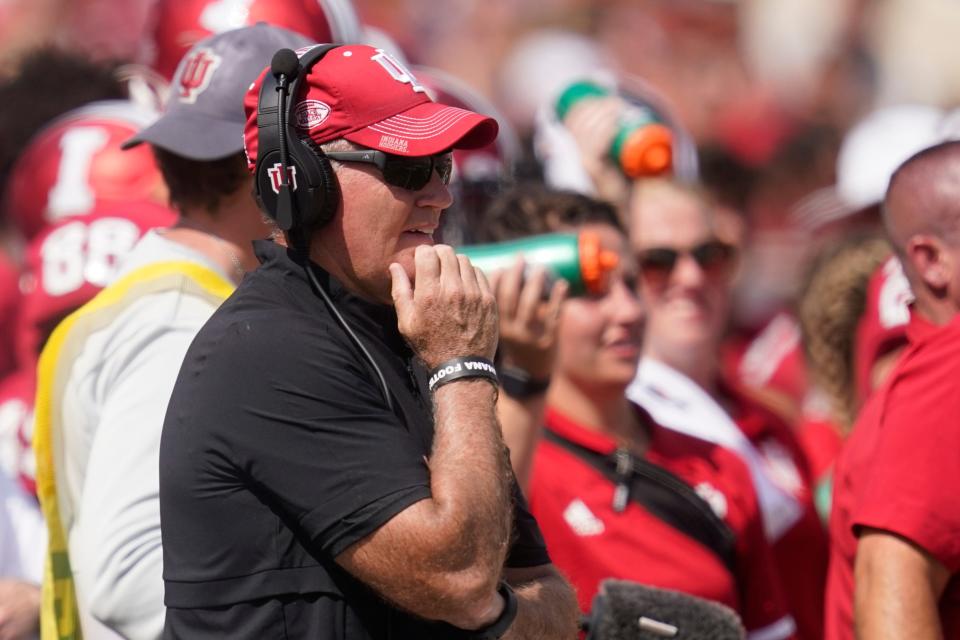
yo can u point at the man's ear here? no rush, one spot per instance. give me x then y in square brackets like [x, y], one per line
[930, 261]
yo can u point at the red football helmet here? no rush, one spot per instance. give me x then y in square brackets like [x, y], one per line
[75, 164]
[66, 265]
[178, 24]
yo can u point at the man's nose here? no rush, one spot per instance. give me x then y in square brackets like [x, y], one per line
[435, 194]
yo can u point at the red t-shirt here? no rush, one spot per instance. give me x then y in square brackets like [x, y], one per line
[882, 327]
[589, 541]
[801, 552]
[772, 359]
[821, 442]
[900, 470]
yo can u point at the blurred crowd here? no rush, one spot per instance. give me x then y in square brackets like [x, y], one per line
[734, 155]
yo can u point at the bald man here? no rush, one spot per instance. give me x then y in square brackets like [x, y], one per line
[895, 525]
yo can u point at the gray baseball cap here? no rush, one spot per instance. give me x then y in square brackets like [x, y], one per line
[203, 118]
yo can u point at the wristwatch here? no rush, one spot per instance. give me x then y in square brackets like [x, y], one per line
[519, 385]
[496, 629]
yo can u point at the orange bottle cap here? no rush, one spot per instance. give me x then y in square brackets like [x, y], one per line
[648, 151]
[596, 263]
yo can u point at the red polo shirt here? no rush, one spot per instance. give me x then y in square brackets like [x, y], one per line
[900, 470]
[589, 541]
[801, 552]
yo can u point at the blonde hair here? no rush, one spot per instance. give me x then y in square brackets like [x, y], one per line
[831, 303]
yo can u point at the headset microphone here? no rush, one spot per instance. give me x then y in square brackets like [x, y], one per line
[312, 198]
[285, 66]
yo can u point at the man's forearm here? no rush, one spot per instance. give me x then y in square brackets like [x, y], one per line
[442, 558]
[470, 472]
[547, 609]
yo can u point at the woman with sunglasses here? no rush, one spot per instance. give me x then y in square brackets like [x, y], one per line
[686, 270]
[616, 494]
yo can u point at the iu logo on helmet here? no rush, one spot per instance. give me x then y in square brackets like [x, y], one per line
[198, 68]
[274, 173]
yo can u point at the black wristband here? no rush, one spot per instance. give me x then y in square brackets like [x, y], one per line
[498, 627]
[518, 384]
[458, 368]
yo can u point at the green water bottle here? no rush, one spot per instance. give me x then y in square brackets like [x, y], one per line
[578, 258]
[643, 145]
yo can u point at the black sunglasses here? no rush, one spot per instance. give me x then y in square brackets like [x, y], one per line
[411, 173]
[713, 256]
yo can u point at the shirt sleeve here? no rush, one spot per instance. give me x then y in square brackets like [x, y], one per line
[306, 425]
[115, 541]
[23, 536]
[911, 486]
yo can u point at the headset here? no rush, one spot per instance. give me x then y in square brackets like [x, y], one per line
[294, 183]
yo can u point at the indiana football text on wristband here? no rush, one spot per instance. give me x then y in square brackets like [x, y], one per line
[461, 368]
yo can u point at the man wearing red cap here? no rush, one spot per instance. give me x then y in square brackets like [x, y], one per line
[331, 462]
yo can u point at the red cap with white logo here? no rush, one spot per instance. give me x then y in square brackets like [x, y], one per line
[366, 96]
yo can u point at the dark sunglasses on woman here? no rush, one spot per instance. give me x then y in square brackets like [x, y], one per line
[714, 257]
[411, 173]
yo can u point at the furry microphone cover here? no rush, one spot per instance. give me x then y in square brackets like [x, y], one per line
[625, 610]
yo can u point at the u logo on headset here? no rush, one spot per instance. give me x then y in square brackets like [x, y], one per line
[312, 192]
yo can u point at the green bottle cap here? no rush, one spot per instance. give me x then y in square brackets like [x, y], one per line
[574, 93]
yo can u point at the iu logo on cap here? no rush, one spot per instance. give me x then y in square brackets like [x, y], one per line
[274, 173]
[198, 68]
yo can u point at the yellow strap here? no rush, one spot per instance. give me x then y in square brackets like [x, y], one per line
[59, 615]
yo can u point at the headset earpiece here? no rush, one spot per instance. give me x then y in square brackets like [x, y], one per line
[310, 188]
[314, 193]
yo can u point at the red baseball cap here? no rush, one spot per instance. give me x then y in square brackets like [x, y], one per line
[364, 95]
[491, 162]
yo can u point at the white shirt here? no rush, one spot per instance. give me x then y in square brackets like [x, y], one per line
[678, 403]
[112, 409]
[23, 536]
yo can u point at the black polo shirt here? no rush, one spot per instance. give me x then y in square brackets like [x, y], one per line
[279, 452]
